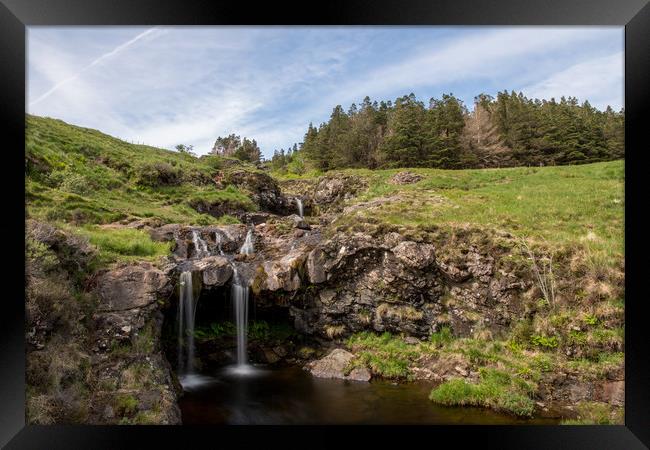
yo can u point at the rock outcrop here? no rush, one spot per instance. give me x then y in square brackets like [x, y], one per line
[94, 351]
[128, 322]
[263, 189]
[405, 178]
[131, 286]
[215, 270]
[331, 190]
[338, 364]
[350, 282]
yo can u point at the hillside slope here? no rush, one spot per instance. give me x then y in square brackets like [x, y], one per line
[498, 274]
[81, 175]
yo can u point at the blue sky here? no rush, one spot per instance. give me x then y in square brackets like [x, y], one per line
[170, 85]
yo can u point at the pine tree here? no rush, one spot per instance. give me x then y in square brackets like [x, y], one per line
[508, 130]
[405, 140]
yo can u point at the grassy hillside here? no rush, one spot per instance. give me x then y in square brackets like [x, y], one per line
[563, 205]
[83, 181]
[86, 178]
[83, 176]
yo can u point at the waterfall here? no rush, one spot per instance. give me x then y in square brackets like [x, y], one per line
[200, 247]
[239, 294]
[300, 211]
[248, 248]
[217, 239]
[186, 315]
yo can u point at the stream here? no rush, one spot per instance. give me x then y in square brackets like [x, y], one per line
[290, 395]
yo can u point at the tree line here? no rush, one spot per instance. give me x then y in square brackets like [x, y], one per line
[507, 130]
[233, 145]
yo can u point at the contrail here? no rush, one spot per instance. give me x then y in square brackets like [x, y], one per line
[103, 57]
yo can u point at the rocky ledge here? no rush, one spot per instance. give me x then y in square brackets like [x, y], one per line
[349, 282]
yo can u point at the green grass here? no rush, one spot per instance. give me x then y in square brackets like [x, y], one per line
[83, 176]
[598, 367]
[385, 355]
[562, 204]
[496, 389]
[509, 376]
[595, 413]
[126, 404]
[441, 337]
[122, 244]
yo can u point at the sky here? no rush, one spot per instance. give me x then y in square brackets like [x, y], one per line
[164, 86]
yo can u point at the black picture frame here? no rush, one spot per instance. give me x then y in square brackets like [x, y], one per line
[15, 15]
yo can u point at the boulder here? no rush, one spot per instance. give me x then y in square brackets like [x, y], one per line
[283, 273]
[299, 222]
[131, 286]
[215, 270]
[165, 233]
[415, 255]
[335, 364]
[329, 190]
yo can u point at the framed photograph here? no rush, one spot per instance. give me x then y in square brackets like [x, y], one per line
[403, 217]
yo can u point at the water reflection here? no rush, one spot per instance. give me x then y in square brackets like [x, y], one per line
[293, 396]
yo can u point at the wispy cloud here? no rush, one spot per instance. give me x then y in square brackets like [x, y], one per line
[165, 86]
[599, 80]
[117, 50]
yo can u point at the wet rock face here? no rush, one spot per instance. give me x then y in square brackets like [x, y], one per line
[223, 238]
[356, 281]
[215, 270]
[283, 273]
[336, 365]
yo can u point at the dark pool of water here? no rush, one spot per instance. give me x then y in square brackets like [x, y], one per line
[292, 396]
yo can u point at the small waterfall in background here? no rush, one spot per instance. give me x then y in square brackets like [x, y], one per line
[239, 294]
[300, 210]
[186, 316]
[200, 247]
[248, 248]
[217, 239]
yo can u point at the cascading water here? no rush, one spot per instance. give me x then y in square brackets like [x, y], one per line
[239, 294]
[186, 316]
[248, 248]
[217, 239]
[200, 246]
[300, 211]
